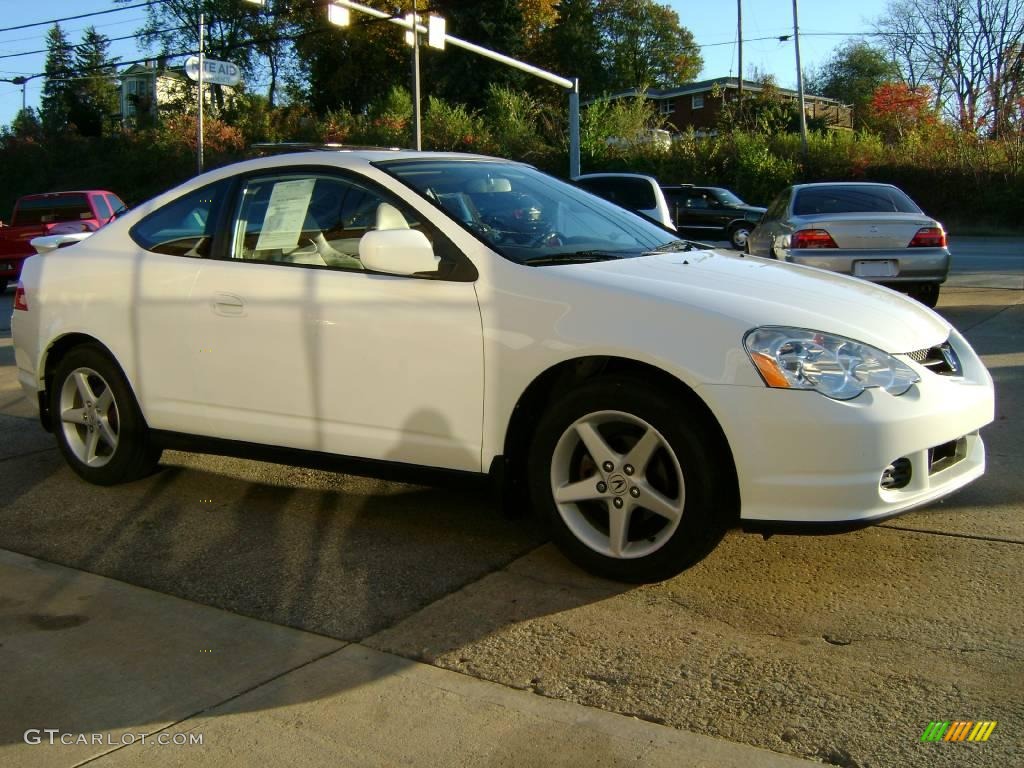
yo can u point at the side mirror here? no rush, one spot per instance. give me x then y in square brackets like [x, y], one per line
[397, 252]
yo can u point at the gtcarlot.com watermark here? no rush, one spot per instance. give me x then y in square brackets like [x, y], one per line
[57, 736]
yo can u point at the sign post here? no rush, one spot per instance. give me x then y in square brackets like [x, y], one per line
[199, 80]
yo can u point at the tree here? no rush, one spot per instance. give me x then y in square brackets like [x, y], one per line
[348, 68]
[233, 30]
[461, 76]
[968, 51]
[58, 94]
[645, 45]
[852, 75]
[539, 16]
[572, 46]
[95, 95]
[897, 109]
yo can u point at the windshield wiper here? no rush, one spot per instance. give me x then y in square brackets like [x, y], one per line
[580, 257]
[677, 246]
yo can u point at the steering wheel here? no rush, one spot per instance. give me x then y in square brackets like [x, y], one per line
[550, 239]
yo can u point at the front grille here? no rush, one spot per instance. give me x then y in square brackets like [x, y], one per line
[941, 359]
[946, 455]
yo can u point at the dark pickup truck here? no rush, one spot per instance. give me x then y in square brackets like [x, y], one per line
[51, 213]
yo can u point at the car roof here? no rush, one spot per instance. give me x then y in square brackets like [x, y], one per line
[818, 184]
[341, 158]
[612, 175]
[43, 195]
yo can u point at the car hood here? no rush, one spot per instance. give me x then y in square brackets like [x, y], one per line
[753, 291]
[752, 209]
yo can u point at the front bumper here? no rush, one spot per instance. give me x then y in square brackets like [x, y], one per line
[902, 265]
[803, 458]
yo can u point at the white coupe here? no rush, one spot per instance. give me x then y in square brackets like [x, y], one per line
[398, 311]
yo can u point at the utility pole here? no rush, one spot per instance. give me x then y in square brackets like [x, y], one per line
[739, 36]
[416, 130]
[799, 78]
[199, 122]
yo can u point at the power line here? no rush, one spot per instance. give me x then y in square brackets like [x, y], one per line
[83, 45]
[136, 20]
[80, 16]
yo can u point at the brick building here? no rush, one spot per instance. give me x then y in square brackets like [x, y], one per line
[698, 105]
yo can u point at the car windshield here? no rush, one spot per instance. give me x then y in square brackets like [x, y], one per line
[727, 198]
[852, 199]
[528, 216]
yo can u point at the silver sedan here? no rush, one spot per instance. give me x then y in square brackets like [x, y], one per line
[872, 231]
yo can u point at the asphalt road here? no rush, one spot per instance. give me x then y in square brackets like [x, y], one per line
[839, 648]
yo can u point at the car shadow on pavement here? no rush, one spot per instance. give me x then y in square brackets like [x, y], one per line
[341, 556]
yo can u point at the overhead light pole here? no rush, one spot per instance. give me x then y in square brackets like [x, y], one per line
[416, 129]
[413, 25]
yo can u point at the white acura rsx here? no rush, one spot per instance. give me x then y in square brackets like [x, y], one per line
[396, 311]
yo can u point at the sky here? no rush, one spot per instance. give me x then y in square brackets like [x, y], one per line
[824, 24]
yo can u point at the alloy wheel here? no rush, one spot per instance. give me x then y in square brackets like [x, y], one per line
[89, 417]
[617, 484]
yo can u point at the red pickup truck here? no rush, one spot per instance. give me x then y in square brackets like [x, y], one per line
[51, 213]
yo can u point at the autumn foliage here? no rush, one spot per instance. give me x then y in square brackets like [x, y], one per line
[897, 109]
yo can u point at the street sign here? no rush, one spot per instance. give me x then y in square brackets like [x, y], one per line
[217, 72]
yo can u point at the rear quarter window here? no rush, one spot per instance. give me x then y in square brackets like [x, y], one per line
[183, 227]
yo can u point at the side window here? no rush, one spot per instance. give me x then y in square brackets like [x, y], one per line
[183, 227]
[697, 200]
[116, 204]
[318, 219]
[103, 212]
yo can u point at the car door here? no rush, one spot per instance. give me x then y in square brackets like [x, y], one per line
[173, 242]
[297, 345]
[696, 212]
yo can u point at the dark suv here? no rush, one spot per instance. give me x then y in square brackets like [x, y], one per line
[712, 213]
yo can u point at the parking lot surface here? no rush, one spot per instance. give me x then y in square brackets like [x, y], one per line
[840, 649]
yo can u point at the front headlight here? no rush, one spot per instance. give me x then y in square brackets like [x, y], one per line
[840, 368]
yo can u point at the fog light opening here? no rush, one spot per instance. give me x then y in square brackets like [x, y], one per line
[896, 475]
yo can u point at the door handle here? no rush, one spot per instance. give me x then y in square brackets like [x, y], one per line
[228, 305]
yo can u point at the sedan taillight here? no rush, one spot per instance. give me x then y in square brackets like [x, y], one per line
[812, 238]
[929, 237]
[19, 298]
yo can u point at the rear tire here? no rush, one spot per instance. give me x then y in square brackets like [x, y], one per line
[99, 427]
[739, 236]
[628, 479]
[927, 294]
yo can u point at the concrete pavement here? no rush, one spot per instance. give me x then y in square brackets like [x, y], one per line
[96, 665]
[839, 648]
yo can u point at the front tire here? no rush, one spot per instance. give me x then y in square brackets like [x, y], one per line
[99, 427]
[626, 475]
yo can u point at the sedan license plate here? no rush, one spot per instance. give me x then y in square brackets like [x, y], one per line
[876, 268]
